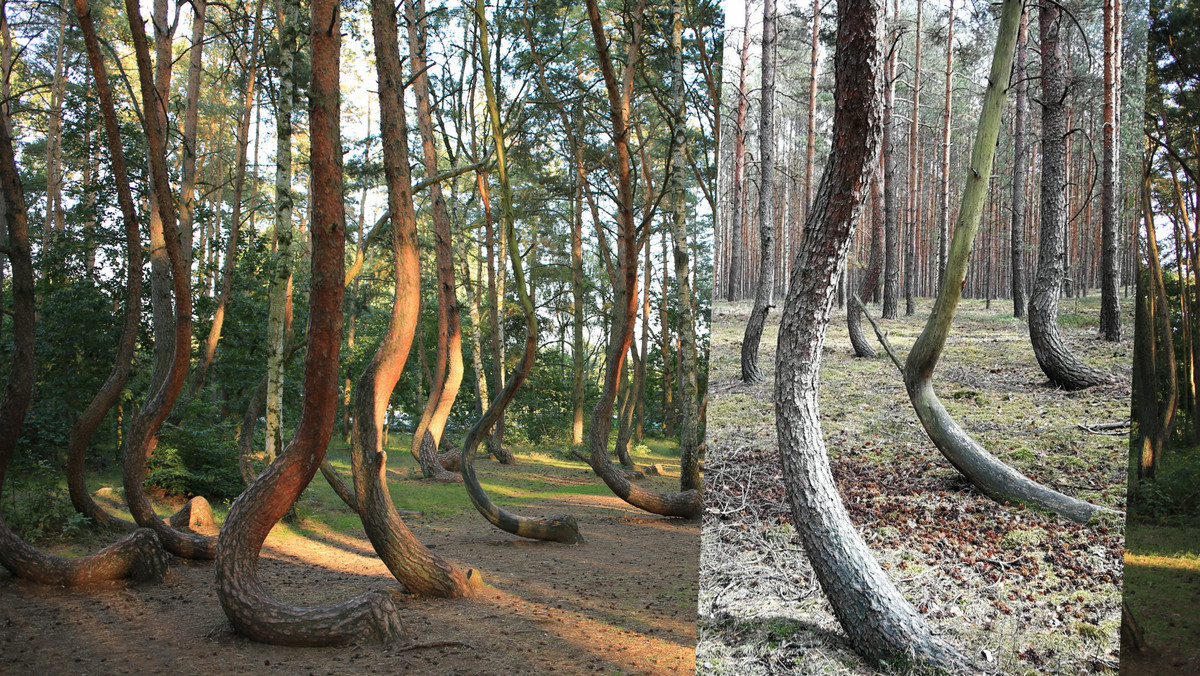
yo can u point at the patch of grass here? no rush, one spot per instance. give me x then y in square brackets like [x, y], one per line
[1022, 538]
[1162, 584]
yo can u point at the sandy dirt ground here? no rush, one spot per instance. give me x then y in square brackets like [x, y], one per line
[624, 602]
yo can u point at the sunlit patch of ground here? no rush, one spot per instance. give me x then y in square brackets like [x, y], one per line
[1162, 588]
[624, 602]
[1018, 592]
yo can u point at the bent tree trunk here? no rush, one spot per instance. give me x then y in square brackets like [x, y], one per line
[766, 203]
[409, 561]
[1064, 369]
[143, 433]
[858, 340]
[449, 373]
[880, 623]
[139, 555]
[246, 602]
[686, 504]
[106, 397]
[559, 528]
[996, 479]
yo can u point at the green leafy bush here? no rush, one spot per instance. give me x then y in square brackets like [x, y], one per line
[198, 457]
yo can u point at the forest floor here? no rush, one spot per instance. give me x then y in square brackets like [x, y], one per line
[1017, 591]
[624, 602]
[1162, 588]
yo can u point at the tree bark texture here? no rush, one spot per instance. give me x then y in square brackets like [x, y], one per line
[689, 391]
[143, 433]
[109, 393]
[881, 625]
[766, 202]
[449, 370]
[410, 562]
[246, 602]
[858, 340]
[1020, 112]
[990, 475]
[1064, 369]
[686, 504]
[281, 273]
[1110, 271]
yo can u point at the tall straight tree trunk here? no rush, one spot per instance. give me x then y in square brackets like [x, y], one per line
[1110, 308]
[810, 143]
[766, 203]
[668, 401]
[891, 185]
[914, 177]
[737, 212]
[881, 625]
[449, 373]
[235, 221]
[1017, 230]
[1057, 361]
[944, 213]
[282, 272]
[246, 602]
[689, 392]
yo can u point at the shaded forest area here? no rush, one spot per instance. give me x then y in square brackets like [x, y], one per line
[246, 244]
[1162, 557]
[842, 496]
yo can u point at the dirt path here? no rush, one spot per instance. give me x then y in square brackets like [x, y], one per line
[622, 603]
[1017, 592]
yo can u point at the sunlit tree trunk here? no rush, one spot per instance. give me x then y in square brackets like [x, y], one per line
[687, 503]
[247, 604]
[559, 528]
[449, 370]
[1110, 308]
